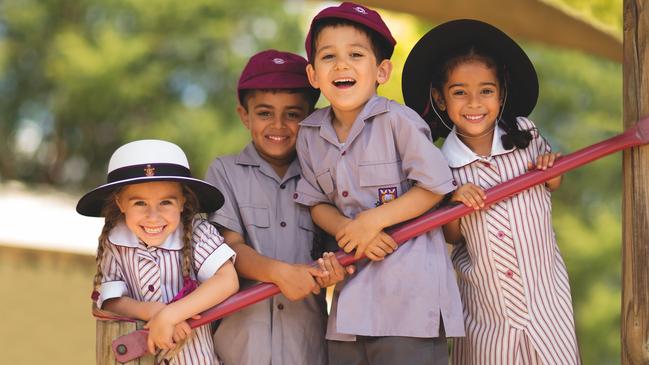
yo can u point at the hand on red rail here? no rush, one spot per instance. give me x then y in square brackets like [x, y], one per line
[183, 330]
[161, 331]
[381, 246]
[470, 195]
[358, 233]
[544, 161]
[335, 271]
[296, 281]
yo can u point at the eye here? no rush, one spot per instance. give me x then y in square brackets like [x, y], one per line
[327, 56]
[487, 91]
[264, 114]
[294, 115]
[356, 55]
[458, 93]
[166, 202]
[139, 203]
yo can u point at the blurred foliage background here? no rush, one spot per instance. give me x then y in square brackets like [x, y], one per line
[79, 78]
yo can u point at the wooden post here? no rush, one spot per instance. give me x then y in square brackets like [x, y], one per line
[635, 249]
[107, 331]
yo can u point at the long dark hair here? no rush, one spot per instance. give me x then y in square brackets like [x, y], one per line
[514, 136]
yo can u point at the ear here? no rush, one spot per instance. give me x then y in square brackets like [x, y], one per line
[439, 100]
[243, 115]
[313, 79]
[384, 71]
[116, 197]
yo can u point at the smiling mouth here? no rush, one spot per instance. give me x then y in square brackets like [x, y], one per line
[474, 117]
[153, 230]
[344, 83]
[277, 138]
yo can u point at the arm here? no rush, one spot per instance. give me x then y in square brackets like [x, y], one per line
[329, 218]
[129, 307]
[369, 224]
[296, 281]
[211, 292]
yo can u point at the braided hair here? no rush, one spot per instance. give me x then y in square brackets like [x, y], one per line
[513, 136]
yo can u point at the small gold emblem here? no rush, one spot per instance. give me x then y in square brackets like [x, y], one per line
[149, 171]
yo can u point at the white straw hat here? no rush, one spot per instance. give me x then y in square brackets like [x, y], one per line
[146, 161]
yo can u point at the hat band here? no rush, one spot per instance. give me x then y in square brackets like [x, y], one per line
[148, 170]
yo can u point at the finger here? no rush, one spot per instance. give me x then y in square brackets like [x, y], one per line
[150, 345]
[177, 337]
[196, 316]
[477, 198]
[470, 201]
[530, 165]
[316, 272]
[350, 269]
[383, 246]
[378, 251]
[389, 241]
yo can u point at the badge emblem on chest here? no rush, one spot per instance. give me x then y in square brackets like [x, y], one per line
[387, 195]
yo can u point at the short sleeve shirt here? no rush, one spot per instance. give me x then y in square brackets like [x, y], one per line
[259, 205]
[153, 273]
[388, 150]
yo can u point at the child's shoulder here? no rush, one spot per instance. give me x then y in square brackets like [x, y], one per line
[527, 124]
[202, 229]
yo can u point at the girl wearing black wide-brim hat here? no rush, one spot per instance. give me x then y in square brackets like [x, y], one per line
[475, 86]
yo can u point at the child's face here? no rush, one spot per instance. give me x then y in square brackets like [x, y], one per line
[273, 120]
[471, 98]
[152, 210]
[345, 69]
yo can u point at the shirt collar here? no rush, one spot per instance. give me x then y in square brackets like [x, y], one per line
[458, 154]
[250, 157]
[121, 235]
[375, 105]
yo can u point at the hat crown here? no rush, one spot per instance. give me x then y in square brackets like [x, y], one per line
[147, 151]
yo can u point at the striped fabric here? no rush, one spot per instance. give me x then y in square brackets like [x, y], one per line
[154, 274]
[513, 281]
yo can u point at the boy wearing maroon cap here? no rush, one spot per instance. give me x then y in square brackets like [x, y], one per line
[272, 236]
[357, 155]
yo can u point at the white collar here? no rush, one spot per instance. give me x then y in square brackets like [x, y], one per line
[121, 235]
[458, 154]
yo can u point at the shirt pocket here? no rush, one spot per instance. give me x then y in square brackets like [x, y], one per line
[380, 173]
[326, 181]
[255, 215]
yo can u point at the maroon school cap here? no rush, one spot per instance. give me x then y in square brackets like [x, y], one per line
[272, 69]
[357, 14]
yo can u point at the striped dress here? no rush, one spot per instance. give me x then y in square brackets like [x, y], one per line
[512, 279]
[153, 274]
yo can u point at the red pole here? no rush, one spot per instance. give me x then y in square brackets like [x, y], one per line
[133, 345]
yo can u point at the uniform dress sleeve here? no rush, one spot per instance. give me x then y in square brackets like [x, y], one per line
[228, 216]
[210, 251]
[421, 160]
[308, 192]
[112, 280]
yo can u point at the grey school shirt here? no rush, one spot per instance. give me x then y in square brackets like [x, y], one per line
[259, 205]
[388, 150]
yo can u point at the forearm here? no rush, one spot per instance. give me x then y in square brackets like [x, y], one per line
[211, 292]
[131, 308]
[250, 264]
[413, 203]
[452, 233]
[328, 217]
[554, 183]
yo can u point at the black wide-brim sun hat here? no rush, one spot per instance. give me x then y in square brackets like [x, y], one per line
[148, 161]
[435, 46]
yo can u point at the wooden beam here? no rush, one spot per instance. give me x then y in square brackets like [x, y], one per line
[533, 20]
[635, 237]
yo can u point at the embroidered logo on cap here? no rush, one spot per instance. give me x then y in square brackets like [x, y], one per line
[361, 10]
[279, 61]
[149, 171]
[387, 195]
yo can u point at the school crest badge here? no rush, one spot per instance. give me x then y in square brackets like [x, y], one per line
[149, 171]
[387, 195]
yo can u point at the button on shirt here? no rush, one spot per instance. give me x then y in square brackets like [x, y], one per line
[388, 150]
[259, 206]
[510, 271]
[154, 274]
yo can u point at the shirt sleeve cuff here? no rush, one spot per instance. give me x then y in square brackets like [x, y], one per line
[441, 189]
[110, 290]
[214, 261]
[226, 223]
[309, 200]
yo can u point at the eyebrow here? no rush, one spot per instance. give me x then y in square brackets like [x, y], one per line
[171, 197]
[359, 45]
[481, 84]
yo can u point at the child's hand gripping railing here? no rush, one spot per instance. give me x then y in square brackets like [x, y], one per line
[133, 345]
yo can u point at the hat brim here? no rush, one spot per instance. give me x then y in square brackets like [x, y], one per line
[276, 80]
[430, 50]
[209, 197]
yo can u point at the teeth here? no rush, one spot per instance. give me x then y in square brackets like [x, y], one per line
[276, 138]
[474, 117]
[153, 230]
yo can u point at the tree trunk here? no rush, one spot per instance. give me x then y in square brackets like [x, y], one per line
[635, 249]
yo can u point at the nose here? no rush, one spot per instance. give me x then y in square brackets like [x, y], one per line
[474, 100]
[278, 121]
[152, 212]
[341, 63]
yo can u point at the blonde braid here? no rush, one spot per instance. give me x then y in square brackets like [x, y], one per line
[112, 216]
[190, 209]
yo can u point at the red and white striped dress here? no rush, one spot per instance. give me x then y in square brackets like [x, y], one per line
[512, 279]
[153, 274]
